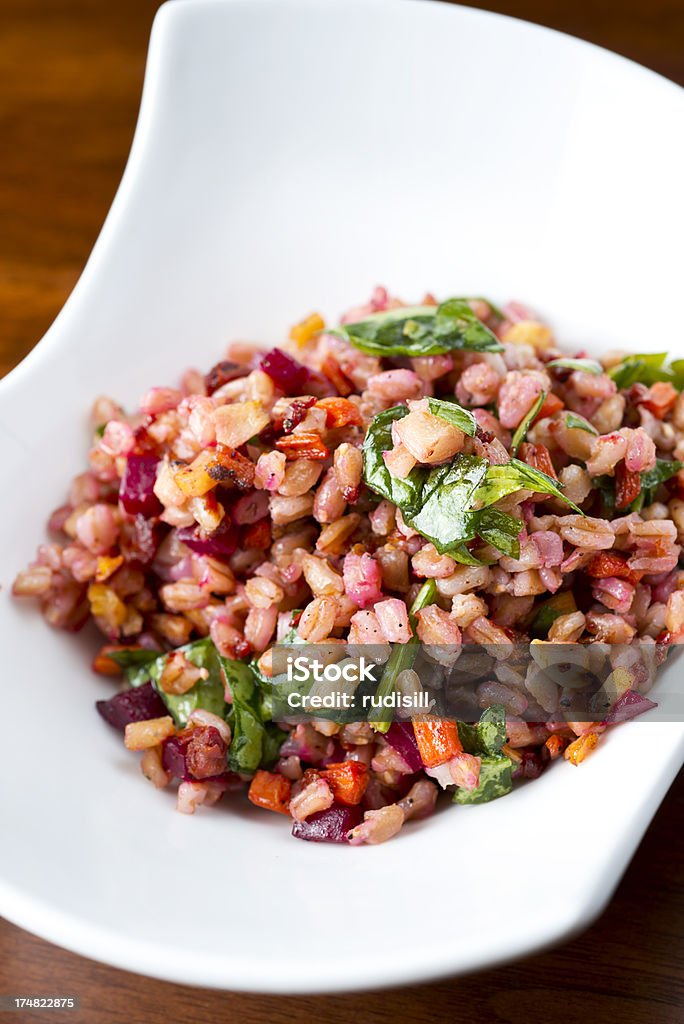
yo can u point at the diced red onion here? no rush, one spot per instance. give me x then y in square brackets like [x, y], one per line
[329, 826]
[400, 735]
[629, 705]
[221, 544]
[136, 492]
[136, 705]
[284, 371]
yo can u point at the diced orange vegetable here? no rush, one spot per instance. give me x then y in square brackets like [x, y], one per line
[303, 332]
[661, 397]
[438, 740]
[333, 371]
[340, 412]
[218, 465]
[271, 791]
[555, 745]
[627, 485]
[576, 752]
[303, 446]
[104, 665]
[538, 457]
[105, 603]
[611, 563]
[348, 780]
[552, 405]
[107, 566]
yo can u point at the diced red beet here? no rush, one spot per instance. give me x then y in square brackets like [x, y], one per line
[289, 375]
[401, 736]
[533, 763]
[629, 706]
[219, 544]
[329, 826]
[137, 486]
[135, 705]
[175, 760]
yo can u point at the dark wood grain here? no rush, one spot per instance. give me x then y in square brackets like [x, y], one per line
[70, 79]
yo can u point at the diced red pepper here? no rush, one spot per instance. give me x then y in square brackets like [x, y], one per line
[348, 780]
[438, 740]
[552, 405]
[627, 485]
[605, 564]
[271, 791]
[340, 412]
[660, 398]
[538, 457]
[303, 446]
[333, 371]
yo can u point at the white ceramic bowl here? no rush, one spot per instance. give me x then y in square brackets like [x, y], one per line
[289, 155]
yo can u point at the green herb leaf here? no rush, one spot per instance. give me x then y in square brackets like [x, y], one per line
[447, 496]
[500, 530]
[496, 779]
[573, 421]
[461, 418]
[515, 476]
[646, 368]
[550, 610]
[526, 423]
[255, 743]
[206, 693]
[406, 493]
[583, 365]
[421, 331]
[651, 479]
[488, 735]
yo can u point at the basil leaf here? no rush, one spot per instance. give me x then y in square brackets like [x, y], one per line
[646, 368]
[448, 494]
[406, 493]
[500, 530]
[133, 657]
[576, 422]
[515, 476]
[421, 331]
[461, 418]
[583, 365]
[255, 743]
[206, 693]
[552, 609]
[651, 479]
[526, 423]
[463, 556]
[488, 735]
[496, 779]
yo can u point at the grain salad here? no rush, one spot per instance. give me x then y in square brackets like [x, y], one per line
[438, 476]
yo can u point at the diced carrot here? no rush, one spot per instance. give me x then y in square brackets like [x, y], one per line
[333, 371]
[303, 446]
[627, 485]
[552, 405]
[303, 332]
[576, 752]
[348, 780]
[555, 745]
[538, 457]
[105, 665]
[340, 412]
[256, 535]
[660, 398]
[438, 740]
[605, 564]
[271, 791]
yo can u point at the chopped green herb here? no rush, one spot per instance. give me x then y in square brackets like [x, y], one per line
[206, 693]
[496, 779]
[454, 414]
[573, 421]
[647, 368]
[583, 365]
[488, 735]
[421, 331]
[526, 423]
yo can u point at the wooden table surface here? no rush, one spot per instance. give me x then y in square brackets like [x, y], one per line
[70, 79]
